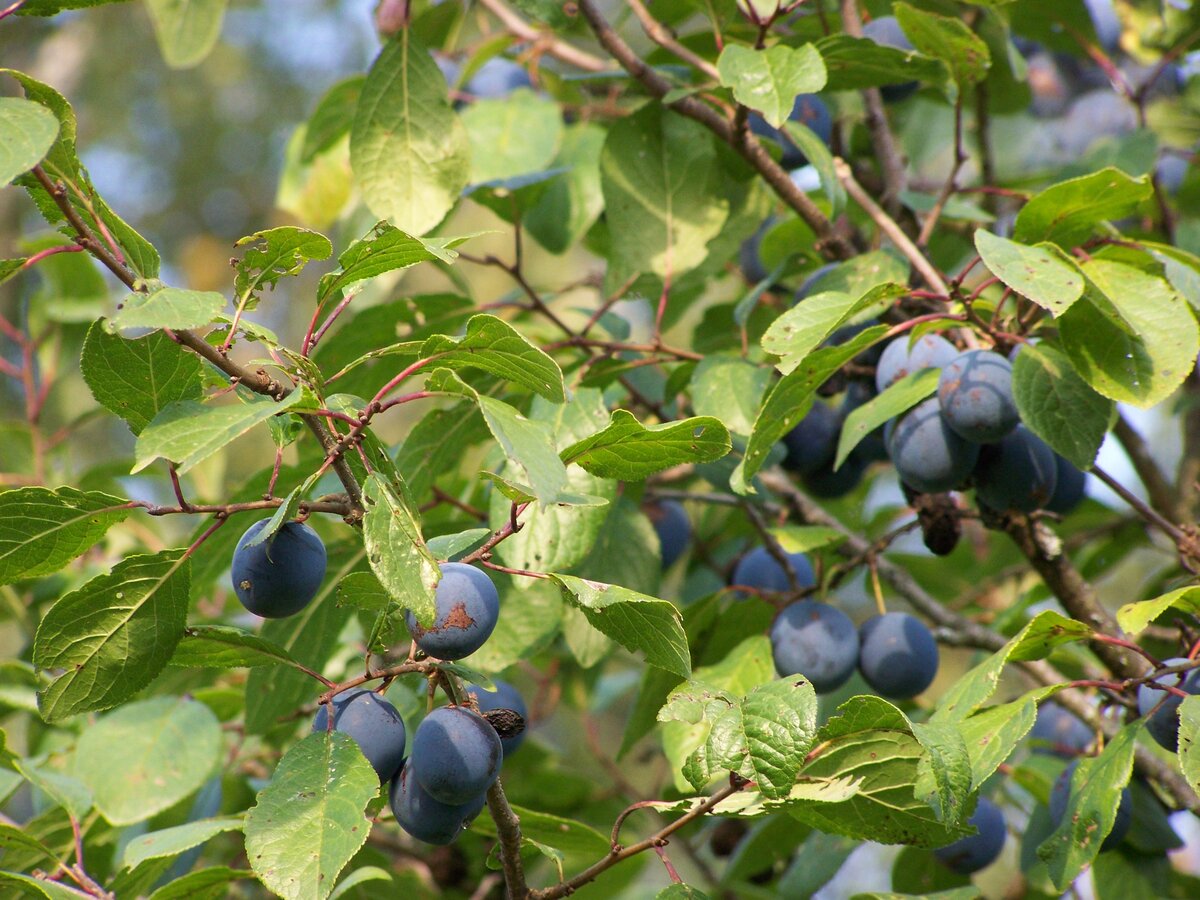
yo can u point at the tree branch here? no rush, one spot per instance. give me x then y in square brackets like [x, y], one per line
[543, 40]
[662, 36]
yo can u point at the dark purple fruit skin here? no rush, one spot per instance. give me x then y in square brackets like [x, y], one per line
[817, 641]
[467, 609]
[456, 754]
[1163, 725]
[809, 110]
[425, 818]
[374, 724]
[670, 521]
[1060, 795]
[505, 697]
[759, 569]
[1070, 486]
[1018, 473]
[928, 456]
[280, 576]
[1058, 733]
[811, 445]
[897, 655]
[975, 393]
[931, 351]
[970, 854]
[828, 483]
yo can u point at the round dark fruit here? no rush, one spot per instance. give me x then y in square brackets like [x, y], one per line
[928, 456]
[1059, 733]
[1070, 486]
[930, 351]
[1161, 708]
[1018, 473]
[812, 444]
[374, 724]
[759, 569]
[674, 529]
[425, 818]
[456, 754]
[977, 851]
[975, 393]
[897, 656]
[467, 608]
[817, 641]
[280, 576]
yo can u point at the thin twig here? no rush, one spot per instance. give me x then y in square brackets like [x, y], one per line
[661, 35]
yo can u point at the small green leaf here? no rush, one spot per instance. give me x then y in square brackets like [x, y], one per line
[176, 840]
[768, 80]
[384, 249]
[681, 892]
[27, 132]
[13, 838]
[944, 773]
[563, 834]
[1189, 740]
[168, 307]
[136, 379]
[211, 883]
[1058, 405]
[147, 756]
[65, 790]
[992, 734]
[493, 346]
[42, 530]
[633, 620]
[309, 822]
[513, 135]
[821, 159]
[730, 389]
[113, 635]
[856, 63]
[895, 399]
[629, 451]
[274, 254]
[186, 29]
[1135, 617]
[1068, 212]
[800, 330]
[188, 432]
[947, 39]
[766, 740]
[408, 149]
[1044, 274]
[227, 647]
[397, 551]
[39, 887]
[333, 117]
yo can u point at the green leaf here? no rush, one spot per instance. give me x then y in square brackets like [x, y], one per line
[1135, 617]
[766, 737]
[570, 204]
[790, 399]
[42, 530]
[362, 591]
[408, 149]
[800, 330]
[1037, 640]
[168, 307]
[1058, 405]
[308, 822]
[147, 756]
[512, 135]
[1068, 212]
[188, 432]
[27, 132]
[680, 892]
[1044, 274]
[821, 159]
[274, 254]
[947, 39]
[113, 635]
[493, 346]
[383, 249]
[1096, 786]
[333, 117]
[629, 451]
[136, 379]
[895, 399]
[65, 790]
[211, 883]
[992, 734]
[768, 80]
[633, 620]
[397, 551]
[729, 388]
[1189, 740]
[186, 30]
[563, 834]
[1134, 338]
[13, 838]
[856, 63]
[227, 647]
[173, 841]
[663, 201]
[944, 773]
[30, 886]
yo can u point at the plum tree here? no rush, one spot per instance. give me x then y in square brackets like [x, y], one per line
[928, 456]
[674, 529]
[467, 609]
[898, 656]
[817, 641]
[1058, 732]
[280, 576]
[504, 697]
[977, 851]
[929, 351]
[809, 110]
[456, 754]
[375, 725]
[1060, 796]
[1017, 473]
[1161, 708]
[975, 394]
[811, 445]
[423, 816]
[759, 569]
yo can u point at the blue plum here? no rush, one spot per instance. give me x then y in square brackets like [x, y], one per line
[374, 724]
[977, 851]
[930, 351]
[872, 447]
[426, 818]
[1059, 733]
[809, 110]
[975, 394]
[1060, 796]
[750, 257]
[456, 754]
[674, 529]
[828, 483]
[817, 641]
[1070, 486]
[1018, 473]
[504, 697]
[897, 656]
[279, 576]
[467, 609]
[759, 569]
[498, 77]
[1161, 708]
[812, 443]
[928, 456]
[887, 32]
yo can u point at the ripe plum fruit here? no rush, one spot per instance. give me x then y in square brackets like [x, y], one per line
[817, 641]
[456, 754]
[898, 656]
[975, 393]
[759, 569]
[279, 576]
[374, 724]
[928, 456]
[977, 851]
[467, 609]
[1017, 473]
